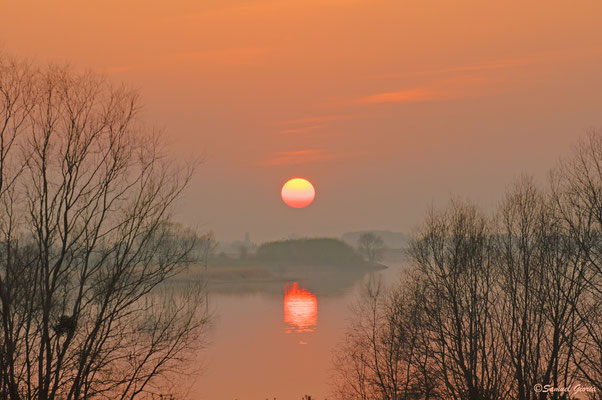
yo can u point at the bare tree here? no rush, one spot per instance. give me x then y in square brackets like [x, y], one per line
[577, 190]
[371, 246]
[87, 242]
[504, 304]
[208, 244]
[542, 282]
[16, 103]
[383, 354]
[454, 256]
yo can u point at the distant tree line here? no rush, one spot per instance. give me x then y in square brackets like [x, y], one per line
[86, 242]
[296, 252]
[315, 251]
[495, 307]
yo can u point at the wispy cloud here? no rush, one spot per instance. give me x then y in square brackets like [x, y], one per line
[320, 124]
[122, 68]
[461, 87]
[266, 7]
[319, 119]
[218, 57]
[302, 129]
[297, 157]
[226, 56]
[463, 81]
[414, 95]
[485, 66]
[488, 65]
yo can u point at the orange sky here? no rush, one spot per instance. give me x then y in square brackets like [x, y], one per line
[386, 106]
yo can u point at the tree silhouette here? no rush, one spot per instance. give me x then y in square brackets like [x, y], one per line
[371, 246]
[87, 242]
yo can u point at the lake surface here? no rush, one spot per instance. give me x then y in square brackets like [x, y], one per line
[276, 340]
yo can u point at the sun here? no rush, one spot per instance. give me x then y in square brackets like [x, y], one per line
[298, 193]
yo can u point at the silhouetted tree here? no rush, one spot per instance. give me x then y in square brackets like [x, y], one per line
[383, 354]
[86, 242]
[208, 245]
[577, 189]
[371, 246]
[540, 286]
[491, 307]
[454, 256]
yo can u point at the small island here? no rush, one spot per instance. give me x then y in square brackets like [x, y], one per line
[323, 252]
[324, 263]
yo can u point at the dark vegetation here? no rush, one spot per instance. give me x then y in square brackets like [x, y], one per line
[305, 252]
[491, 306]
[327, 266]
[313, 252]
[392, 240]
[371, 246]
[86, 242]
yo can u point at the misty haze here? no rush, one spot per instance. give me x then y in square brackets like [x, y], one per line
[300, 200]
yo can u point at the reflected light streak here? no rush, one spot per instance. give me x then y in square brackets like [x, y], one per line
[300, 309]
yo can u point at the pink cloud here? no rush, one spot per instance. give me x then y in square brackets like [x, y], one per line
[406, 96]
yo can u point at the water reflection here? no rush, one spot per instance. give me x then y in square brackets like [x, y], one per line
[300, 309]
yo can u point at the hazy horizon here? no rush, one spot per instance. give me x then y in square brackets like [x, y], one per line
[386, 107]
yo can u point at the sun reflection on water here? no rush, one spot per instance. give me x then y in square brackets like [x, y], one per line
[300, 309]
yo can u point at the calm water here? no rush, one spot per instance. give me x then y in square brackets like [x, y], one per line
[276, 341]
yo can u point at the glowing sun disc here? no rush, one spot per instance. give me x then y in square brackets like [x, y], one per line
[298, 193]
